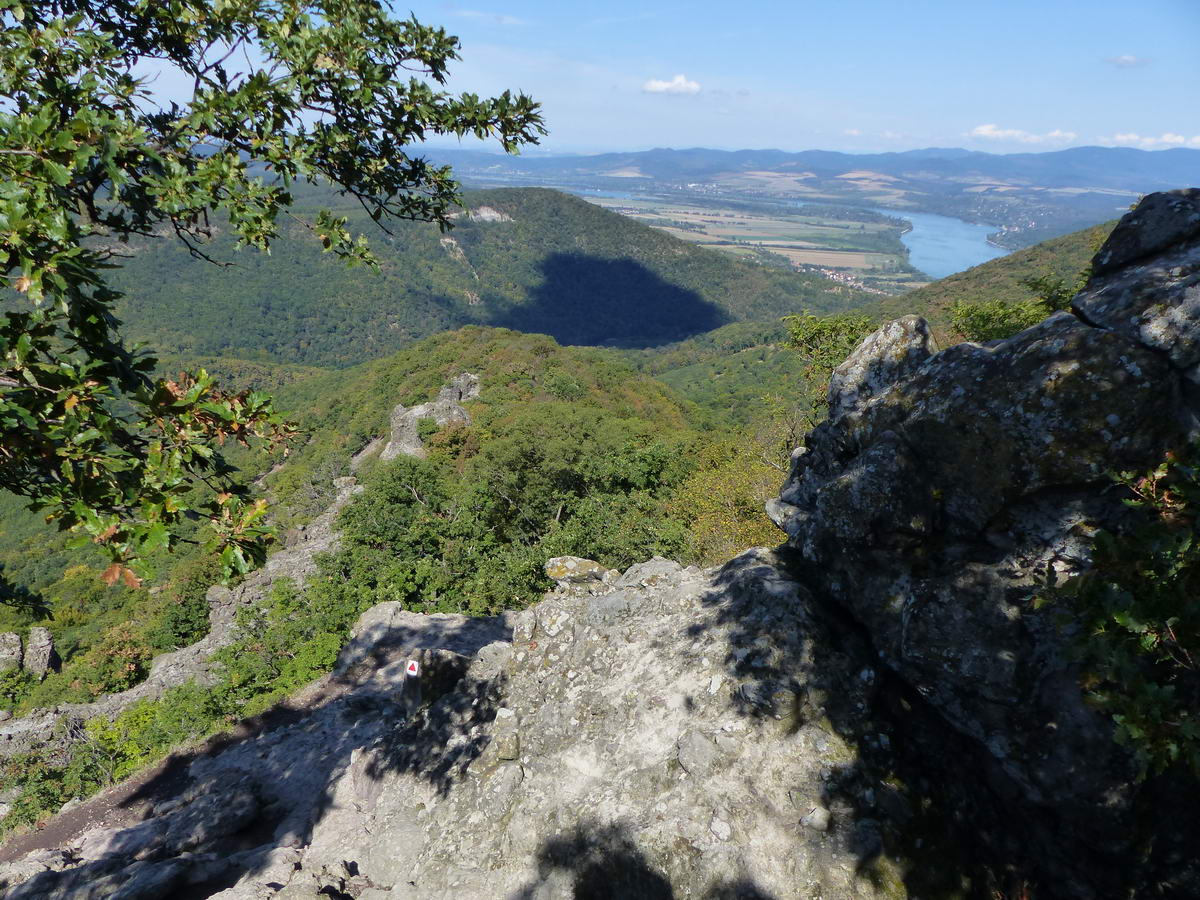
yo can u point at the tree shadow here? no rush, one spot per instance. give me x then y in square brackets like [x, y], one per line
[593, 301]
[924, 804]
[20, 598]
[916, 796]
[258, 790]
[602, 862]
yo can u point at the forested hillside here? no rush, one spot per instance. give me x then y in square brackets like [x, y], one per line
[529, 259]
[570, 451]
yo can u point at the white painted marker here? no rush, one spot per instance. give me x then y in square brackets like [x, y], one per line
[412, 668]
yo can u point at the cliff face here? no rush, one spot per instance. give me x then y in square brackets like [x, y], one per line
[874, 710]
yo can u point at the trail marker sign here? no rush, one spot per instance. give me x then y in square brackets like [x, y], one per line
[412, 668]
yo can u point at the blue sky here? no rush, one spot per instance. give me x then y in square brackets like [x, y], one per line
[855, 75]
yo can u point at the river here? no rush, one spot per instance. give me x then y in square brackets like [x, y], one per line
[941, 245]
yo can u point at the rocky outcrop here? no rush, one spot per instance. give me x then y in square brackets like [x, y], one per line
[40, 656]
[639, 739]
[932, 506]
[10, 651]
[193, 663]
[445, 409]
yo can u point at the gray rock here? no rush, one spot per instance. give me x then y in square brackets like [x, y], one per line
[886, 356]
[698, 754]
[128, 843]
[217, 815]
[1159, 222]
[817, 818]
[40, 655]
[10, 651]
[405, 438]
[152, 882]
[566, 570]
[930, 504]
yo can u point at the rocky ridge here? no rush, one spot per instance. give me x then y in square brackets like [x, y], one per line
[296, 561]
[875, 710]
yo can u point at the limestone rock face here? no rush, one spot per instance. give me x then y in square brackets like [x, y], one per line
[446, 409]
[10, 651]
[40, 655]
[884, 357]
[931, 506]
[668, 744]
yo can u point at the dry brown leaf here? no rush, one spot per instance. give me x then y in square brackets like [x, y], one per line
[105, 535]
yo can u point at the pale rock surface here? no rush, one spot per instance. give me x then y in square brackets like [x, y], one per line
[10, 651]
[40, 656]
[446, 409]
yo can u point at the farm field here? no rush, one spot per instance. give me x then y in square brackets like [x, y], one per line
[848, 245]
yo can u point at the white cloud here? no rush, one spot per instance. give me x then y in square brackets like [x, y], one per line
[495, 18]
[677, 85]
[1150, 141]
[1127, 61]
[852, 132]
[994, 133]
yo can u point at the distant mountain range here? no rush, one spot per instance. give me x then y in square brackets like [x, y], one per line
[1115, 168]
[1028, 196]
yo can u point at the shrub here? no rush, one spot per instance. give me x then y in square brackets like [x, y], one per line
[1139, 604]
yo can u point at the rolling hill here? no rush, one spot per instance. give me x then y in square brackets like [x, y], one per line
[530, 259]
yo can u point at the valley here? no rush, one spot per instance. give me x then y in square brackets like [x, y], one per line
[1025, 197]
[850, 246]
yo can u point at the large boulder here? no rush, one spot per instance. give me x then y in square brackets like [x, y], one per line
[445, 409]
[931, 508]
[40, 656]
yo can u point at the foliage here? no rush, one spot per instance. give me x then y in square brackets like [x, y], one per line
[823, 342]
[1138, 604]
[559, 265]
[722, 500]
[988, 320]
[470, 532]
[90, 157]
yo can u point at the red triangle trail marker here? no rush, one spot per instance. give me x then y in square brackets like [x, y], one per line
[412, 668]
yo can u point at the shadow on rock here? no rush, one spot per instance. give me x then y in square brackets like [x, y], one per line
[602, 862]
[238, 808]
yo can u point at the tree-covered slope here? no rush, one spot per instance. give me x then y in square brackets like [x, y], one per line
[529, 259]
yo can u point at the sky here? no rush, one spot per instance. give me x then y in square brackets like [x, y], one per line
[851, 75]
